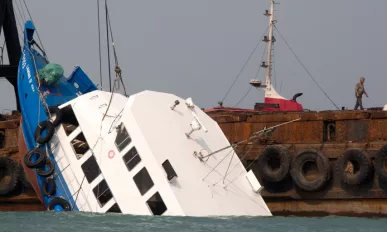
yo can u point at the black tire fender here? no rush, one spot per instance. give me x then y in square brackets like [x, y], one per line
[266, 171]
[58, 115]
[358, 158]
[40, 162]
[49, 187]
[49, 172]
[10, 176]
[301, 159]
[44, 125]
[59, 201]
[381, 163]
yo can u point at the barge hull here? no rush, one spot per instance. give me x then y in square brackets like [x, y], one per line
[23, 197]
[329, 132]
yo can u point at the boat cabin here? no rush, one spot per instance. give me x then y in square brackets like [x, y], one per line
[141, 155]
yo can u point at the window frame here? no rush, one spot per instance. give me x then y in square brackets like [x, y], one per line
[123, 130]
[102, 182]
[136, 159]
[139, 181]
[92, 178]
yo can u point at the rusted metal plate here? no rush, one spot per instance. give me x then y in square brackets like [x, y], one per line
[353, 130]
[352, 207]
[331, 132]
[357, 130]
[9, 124]
[377, 130]
[27, 199]
[312, 131]
[11, 138]
[290, 133]
[305, 116]
[21, 207]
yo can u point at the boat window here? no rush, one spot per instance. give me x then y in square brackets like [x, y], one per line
[156, 204]
[123, 138]
[131, 158]
[102, 193]
[69, 121]
[114, 209]
[169, 170]
[80, 145]
[91, 169]
[143, 181]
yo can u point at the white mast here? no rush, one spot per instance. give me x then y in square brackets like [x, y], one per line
[270, 92]
[269, 40]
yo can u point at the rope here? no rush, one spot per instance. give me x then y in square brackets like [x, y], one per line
[108, 49]
[243, 171]
[237, 188]
[306, 69]
[41, 98]
[257, 133]
[274, 74]
[37, 79]
[40, 41]
[18, 21]
[229, 165]
[22, 11]
[240, 72]
[99, 45]
[61, 183]
[241, 160]
[117, 68]
[80, 188]
[213, 169]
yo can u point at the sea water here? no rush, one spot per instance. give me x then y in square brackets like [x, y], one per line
[87, 222]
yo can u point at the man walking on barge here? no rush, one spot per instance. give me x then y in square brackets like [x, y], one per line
[359, 90]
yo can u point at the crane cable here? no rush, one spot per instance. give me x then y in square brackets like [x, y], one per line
[310, 75]
[99, 46]
[244, 66]
[256, 77]
[117, 68]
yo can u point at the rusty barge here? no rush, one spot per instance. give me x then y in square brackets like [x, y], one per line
[16, 193]
[325, 163]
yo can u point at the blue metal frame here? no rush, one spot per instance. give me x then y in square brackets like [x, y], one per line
[32, 108]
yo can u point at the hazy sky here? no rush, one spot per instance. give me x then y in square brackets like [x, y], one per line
[197, 48]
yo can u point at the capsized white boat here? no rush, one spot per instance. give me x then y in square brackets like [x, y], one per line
[148, 154]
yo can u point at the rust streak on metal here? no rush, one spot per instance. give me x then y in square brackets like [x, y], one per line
[24, 197]
[352, 207]
[331, 133]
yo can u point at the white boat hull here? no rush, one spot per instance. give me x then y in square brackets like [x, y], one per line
[215, 186]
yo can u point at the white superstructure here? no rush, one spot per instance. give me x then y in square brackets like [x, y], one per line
[151, 154]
